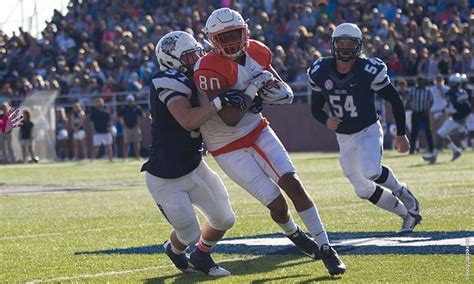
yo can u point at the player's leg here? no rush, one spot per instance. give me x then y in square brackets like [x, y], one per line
[137, 137]
[414, 131]
[448, 127]
[211, 197]
[171, 197]
[428, 133]
[369, 151]
[126, 143]
[243, 169]
[273, 158]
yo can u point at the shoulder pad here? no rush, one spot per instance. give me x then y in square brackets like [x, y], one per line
[173, 80]
[376, 67]
[315, 70]
[214, 72]
[259, 52]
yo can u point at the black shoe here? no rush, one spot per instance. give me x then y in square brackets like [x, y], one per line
[181, 261]
[305, 244]
[203, 262]
[332, 261]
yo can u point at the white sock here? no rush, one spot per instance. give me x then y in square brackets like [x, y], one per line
[312, 221]
[175, 250]
[289, 228]
[453, 147]
[391, 203]
[391, 182]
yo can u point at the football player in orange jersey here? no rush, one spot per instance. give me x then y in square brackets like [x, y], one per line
[243, 144]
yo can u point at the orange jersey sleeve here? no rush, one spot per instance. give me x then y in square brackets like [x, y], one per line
[260, 53]
[215, 73]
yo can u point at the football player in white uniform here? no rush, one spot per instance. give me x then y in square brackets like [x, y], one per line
[348, 83]
[459, 110]
[176, 175]
[243, 144]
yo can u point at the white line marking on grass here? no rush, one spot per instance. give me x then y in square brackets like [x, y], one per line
[75, 232]
[115, 273]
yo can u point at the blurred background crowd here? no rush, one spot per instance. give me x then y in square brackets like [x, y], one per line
[101, 47]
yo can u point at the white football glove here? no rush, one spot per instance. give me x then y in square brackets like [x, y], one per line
[276, 93]
[257, 82]
[261, 78]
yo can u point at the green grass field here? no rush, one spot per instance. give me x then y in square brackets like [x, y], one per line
[77, 222]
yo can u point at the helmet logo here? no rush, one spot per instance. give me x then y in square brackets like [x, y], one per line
[169, 44]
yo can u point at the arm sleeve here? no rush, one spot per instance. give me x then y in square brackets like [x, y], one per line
[317, 103]
[390, 94]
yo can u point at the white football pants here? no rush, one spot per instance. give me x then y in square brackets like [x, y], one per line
[176, 197]
[361, 157]
[257, 169]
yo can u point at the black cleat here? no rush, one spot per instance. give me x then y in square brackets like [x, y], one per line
[203, 262]
[332, 261]
[179, 260]
[305, 244]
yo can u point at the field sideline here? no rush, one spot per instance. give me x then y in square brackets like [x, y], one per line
[77, 221]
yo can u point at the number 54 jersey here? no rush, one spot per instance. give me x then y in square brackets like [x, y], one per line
[350, 96]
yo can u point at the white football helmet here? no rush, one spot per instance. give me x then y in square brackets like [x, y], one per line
[228, 32]
[346, 31]
[178, 50]
[455, 80]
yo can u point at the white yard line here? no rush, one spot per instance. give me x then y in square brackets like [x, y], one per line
[115, 273]
[75, 232]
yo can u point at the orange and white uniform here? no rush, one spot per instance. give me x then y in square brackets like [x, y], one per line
[249, 153]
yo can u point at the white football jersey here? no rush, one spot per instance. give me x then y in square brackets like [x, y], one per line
[213, 73]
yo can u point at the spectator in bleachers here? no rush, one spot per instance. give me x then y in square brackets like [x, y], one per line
[26, 138]
[130, 117]
[62, 134]
[101, 123]
[77, 120]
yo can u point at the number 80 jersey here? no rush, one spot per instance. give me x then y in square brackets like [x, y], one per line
[350, 96]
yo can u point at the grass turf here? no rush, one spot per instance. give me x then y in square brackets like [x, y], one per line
[58, 218]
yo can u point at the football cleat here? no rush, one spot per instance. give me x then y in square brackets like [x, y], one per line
[409, 223]
[456, 155]
[181, 261]
[305, 244]
[331, 260]
[203, 262]
[409, 200]
[430, 159]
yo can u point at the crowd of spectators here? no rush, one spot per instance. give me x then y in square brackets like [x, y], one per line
[101, 47]
[106, 46]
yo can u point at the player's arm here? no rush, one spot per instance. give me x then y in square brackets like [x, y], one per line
[390, 94]
[191, 118]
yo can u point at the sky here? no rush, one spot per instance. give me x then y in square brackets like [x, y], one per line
[11, 19]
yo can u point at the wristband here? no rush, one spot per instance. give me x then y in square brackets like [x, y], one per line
[251, 91]
[216, 104]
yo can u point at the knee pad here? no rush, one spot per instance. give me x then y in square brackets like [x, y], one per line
[371, 172]
[363, 187]
[224, 223]
[187, 237]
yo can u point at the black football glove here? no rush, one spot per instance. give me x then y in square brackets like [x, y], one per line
[257, 105]
[233, 98]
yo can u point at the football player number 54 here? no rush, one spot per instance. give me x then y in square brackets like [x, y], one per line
[209, 84]
[339, 107]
